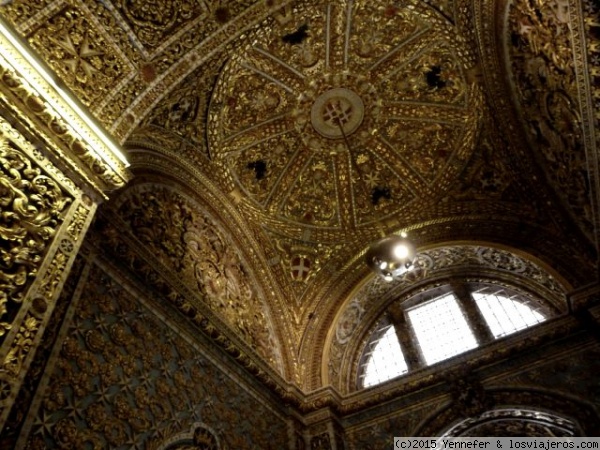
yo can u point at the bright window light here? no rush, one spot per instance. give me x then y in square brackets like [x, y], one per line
[503, 314]
[384, 359]
[441, 329]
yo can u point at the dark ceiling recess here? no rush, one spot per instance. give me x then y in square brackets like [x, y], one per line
[433, 78]
[259, 167]
[380, 192]
[222, 15]
[297, 36]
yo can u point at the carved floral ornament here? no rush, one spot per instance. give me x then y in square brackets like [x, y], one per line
[370, 300]
[192, 245]
[32, 205]
[548, 75]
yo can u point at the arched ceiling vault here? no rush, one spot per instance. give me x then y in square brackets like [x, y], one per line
[324, 125]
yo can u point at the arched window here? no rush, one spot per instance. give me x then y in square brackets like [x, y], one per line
[441, 328]
[383, 358]
[505, 313]
[444, 322]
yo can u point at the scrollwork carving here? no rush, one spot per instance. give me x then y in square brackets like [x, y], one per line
[78, 222]
[52, 279]
[84, 55]
[21, 346]
[31, 204]
[191, 244]
[543, 67]
[153, 21]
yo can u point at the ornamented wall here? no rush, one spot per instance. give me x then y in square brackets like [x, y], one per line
[120, 376]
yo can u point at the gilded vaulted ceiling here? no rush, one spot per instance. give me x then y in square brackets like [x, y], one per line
[273, 140]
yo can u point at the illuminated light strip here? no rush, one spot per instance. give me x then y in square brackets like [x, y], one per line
[43, 82]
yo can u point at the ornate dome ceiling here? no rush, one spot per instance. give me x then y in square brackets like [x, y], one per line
[296, 132]
[347, 116]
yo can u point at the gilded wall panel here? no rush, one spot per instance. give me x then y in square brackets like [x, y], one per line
[153, 22]
[123, 377]
[192, 245]
[42, 217]
[82, 53]
[544, 70]
[42, 359]
[183, 110]
[32, 207]
[21, 11]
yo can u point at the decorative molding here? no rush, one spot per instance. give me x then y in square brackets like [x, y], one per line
[38, 98]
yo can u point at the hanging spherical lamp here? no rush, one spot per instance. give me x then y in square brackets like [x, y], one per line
[390, 256]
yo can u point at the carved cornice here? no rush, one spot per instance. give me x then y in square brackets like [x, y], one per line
[53, 113]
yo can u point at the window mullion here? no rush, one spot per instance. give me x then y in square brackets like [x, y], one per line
[412, 354]
[476, 321]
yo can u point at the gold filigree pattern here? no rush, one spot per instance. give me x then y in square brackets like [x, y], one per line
[21, 346]
[143, 376]
[192, 245]
[543, 68]
[400, 96]
[82, 54]
[52, 279]
[110, 172]
[154, 21]
[78, 222]
[31, 205]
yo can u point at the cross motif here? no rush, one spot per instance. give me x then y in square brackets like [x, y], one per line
[337, 113]
[300, 268]
[78, 55]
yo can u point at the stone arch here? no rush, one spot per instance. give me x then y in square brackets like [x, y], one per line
[200, 437]
[512, 410]
[476, 261]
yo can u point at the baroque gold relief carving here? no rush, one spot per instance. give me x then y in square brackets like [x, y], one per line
[183, 110]
[83, 55]
[154, 21]
[21, 346]
[191, 244]
[143, 376]
[54, 273]
[111, 172]
[405, 106]
[77, 224]
[543, 67]
[18, 11]
[32, 205]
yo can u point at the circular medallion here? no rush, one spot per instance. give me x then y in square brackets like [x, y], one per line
[337, 112]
